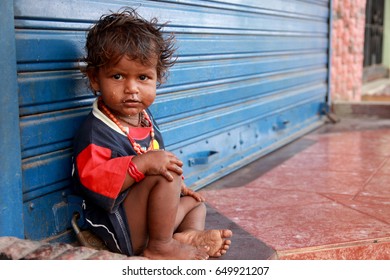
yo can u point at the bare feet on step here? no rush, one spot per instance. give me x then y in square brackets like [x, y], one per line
[175, 250]
[216, 239]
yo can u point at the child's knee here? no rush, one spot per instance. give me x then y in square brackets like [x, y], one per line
[178, 179]
[173, 186]
[192, 203]
[202, 207]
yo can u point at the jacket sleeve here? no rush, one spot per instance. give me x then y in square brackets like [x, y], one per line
[101, 175]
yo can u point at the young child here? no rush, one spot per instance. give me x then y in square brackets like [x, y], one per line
[136, 200]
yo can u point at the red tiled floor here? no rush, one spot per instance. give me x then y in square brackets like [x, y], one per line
[374, 249]
[294, 219]
[330, 199]
[377, 186]
[373, 206]
[334, 162]
[313, 181]
[385, 169]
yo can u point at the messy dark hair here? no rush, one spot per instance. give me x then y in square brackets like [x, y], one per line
[126, 33]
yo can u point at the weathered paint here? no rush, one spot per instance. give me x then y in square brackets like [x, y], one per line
[11, 211]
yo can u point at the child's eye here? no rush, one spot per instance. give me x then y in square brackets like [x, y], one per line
[143, 77]
[117, 77]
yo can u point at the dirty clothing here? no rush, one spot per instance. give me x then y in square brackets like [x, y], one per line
[102, 153]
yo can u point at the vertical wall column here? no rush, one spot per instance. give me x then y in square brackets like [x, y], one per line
[347, 49]
[11, 194]
[386, 36]
[330, 51]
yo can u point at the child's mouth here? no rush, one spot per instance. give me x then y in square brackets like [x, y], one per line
[131, 102]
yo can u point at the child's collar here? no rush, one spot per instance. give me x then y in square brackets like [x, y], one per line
[101, 116]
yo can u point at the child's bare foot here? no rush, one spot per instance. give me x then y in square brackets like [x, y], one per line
[175, 250]
[216, 239]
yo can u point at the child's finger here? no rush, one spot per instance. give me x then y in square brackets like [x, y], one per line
[176, 161]
[196, 195]
[167, 175]
[175, 168]
[200, 198]
[173, 158]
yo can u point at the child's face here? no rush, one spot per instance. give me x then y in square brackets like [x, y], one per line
[127, 87]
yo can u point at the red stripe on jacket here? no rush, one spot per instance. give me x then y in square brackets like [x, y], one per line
[100, 173]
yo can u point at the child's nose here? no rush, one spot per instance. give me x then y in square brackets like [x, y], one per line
[131, 87]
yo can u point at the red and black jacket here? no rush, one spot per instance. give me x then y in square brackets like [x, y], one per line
[101, 158]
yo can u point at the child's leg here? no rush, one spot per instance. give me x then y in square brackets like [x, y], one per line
[151, 209]
[190, 223]
[191, 214]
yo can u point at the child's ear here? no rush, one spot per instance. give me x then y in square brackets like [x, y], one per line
[93, 80]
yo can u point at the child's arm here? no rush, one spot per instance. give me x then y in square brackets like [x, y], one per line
[162, 163]
[157, 162]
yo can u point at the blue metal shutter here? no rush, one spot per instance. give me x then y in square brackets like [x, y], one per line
[251, 76]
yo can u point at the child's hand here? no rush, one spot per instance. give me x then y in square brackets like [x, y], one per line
[188, 192]
[159, 162]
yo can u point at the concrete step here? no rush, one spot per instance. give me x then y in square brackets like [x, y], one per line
[373, 109]
[378, 90]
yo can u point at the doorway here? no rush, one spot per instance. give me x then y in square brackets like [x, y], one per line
[373, 41]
